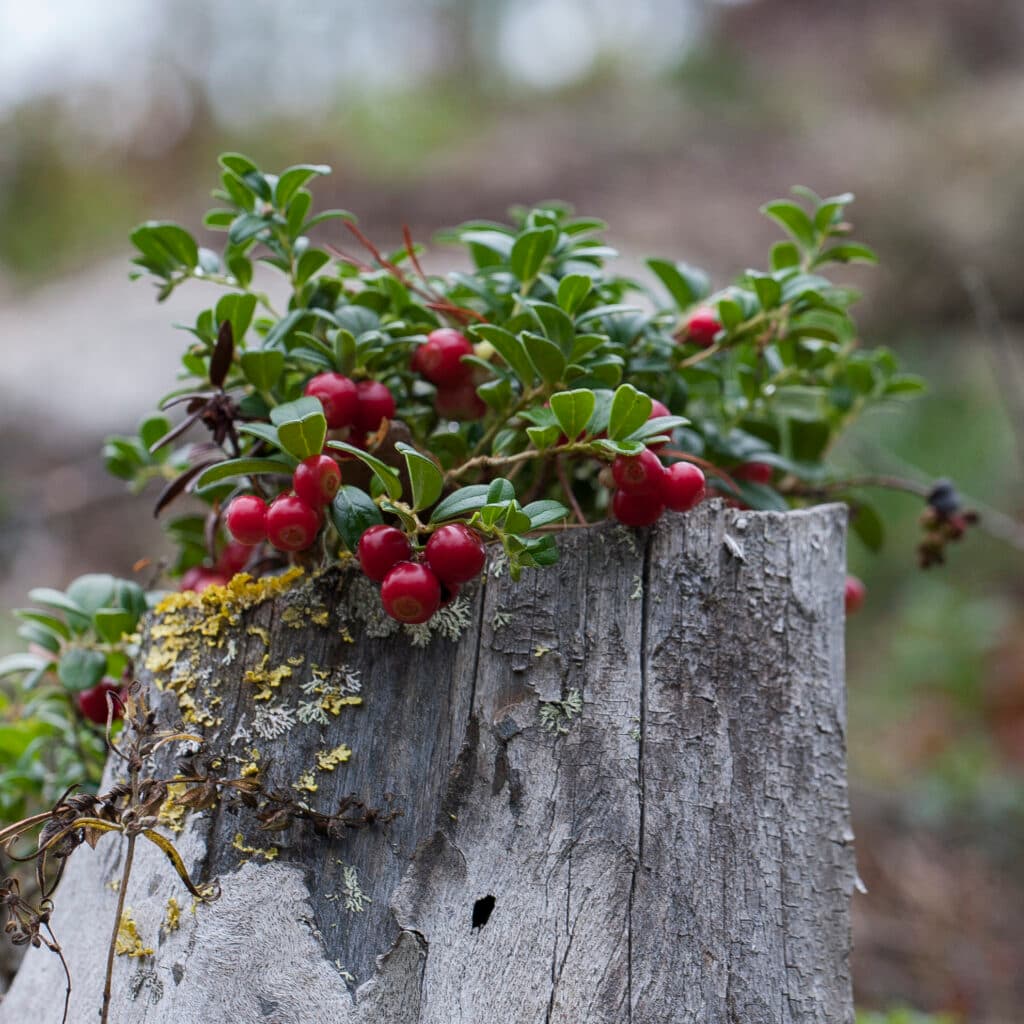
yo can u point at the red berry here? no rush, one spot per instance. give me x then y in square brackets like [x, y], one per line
[292, 524]
[449, 591]
[854, 594]
[234, 558]
[755, 472]
[339, 397]
[93, 702]
[682, 486]
[246, 519]
[702, 327]
[456, 553]
[636, 509]
[410, 593]
[381, 548]
[316, 480]
[459, 402]
[198, 578]
[658, 409]
[638, 474]
[439, 359]
[376, 403]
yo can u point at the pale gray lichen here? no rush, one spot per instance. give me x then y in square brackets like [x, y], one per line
[271, 721]
[501, 620]
[557, 715]
[352, 897]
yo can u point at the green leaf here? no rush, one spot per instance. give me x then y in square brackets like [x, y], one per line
[867, 524]
[545, 355]
[309, 263]
[684, 283]
[848, 252]
[242, 467]
[246, 227]
[387, 476]
[166, 243]
[426, 479]
[57, 627]
[543, 437]
[530, 250]
[264, 431]
[461, 502]
[15, 664]
[263, 368]
[295, 412]
[500, 490]
[353, 512]
[904, 384]
[544, 512]
[152, 429]
[630, 410]
[572, 290]
[800, 402]
[793, 218]
[237, 162]
[81, 669]
[58, 599]
[93, 591]
[304, 436]
[784, 254]
[769, 291]
[112, 623]
[293, 179]
[510, 348]
[573, 410]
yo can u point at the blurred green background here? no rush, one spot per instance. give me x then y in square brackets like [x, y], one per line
[673, 120]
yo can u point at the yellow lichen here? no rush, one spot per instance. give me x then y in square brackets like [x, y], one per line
[328, 760]
[306, 783]
[268, 680]
[296, 660]
[334, 702]
[263, 634]
[268, 853]
[172, 919]
[128, 941]
[173, 814]
[251, 767]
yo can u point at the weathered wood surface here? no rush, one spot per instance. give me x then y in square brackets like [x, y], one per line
[682, 853]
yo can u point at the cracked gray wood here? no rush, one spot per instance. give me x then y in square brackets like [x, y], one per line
[679, 852]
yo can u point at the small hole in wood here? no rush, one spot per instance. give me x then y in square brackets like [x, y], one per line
[482, 911]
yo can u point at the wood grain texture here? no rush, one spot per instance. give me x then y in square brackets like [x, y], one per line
[680, 852]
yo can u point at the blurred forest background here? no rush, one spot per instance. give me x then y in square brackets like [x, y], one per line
[673, 120]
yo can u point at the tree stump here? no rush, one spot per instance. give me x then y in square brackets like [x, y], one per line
[621, 782]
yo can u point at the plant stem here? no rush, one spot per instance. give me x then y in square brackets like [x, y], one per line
[125, 875]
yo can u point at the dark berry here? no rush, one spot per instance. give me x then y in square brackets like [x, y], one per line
[854, 595]
[702, 327]
[636, 509]
[198, 578]
[316, 480]
[292, 524]
[682, 487]
[339, 397]
[439, 359]
[456, 553]
[410, 593]
[234, 558]
[92, 703]
[459, 402]
[638, 474]
[381, 548]
[755, 472]
[246, 519]
[376, 403]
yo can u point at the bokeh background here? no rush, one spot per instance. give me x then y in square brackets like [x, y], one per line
[673, 120]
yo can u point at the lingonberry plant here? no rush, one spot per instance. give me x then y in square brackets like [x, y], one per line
[361, 408]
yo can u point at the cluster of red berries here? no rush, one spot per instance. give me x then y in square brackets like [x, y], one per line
[291, 521]
[645, 488]
[359, 406]
[411, 591]
[439, 360]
